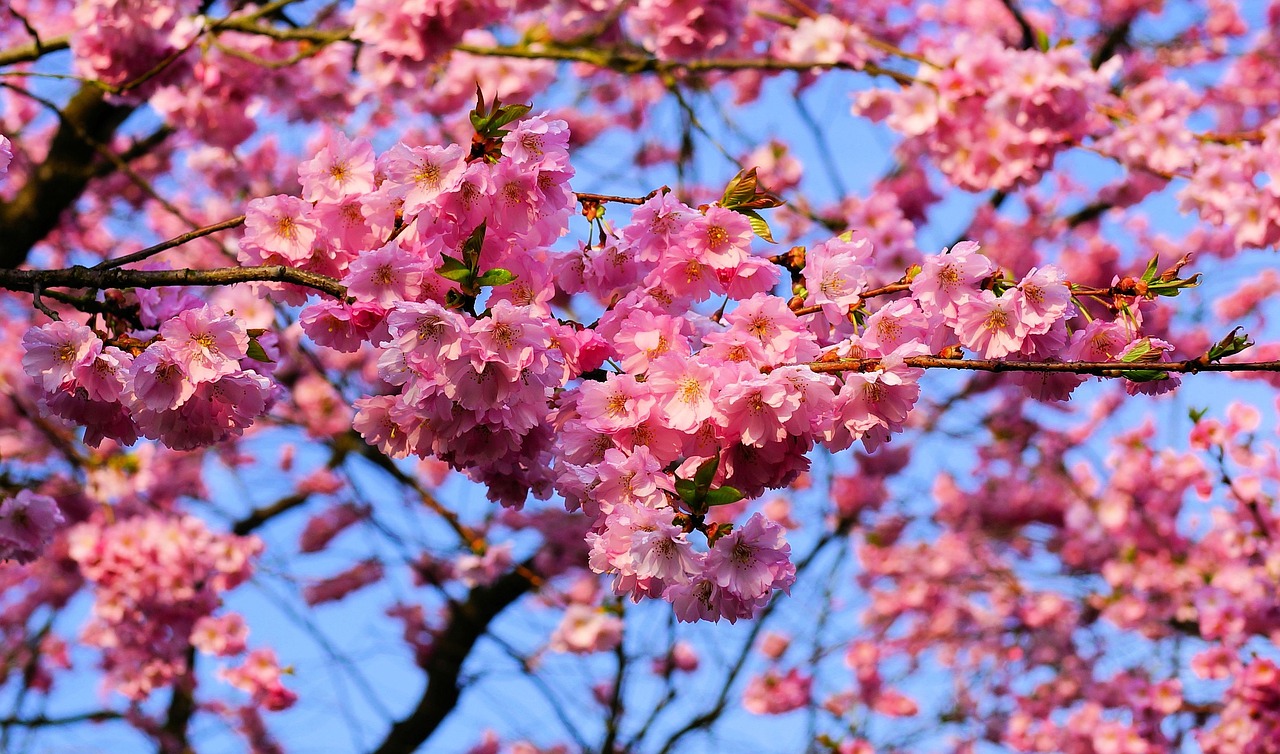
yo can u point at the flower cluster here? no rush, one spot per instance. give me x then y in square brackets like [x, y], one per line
[193, 385]
[994, 117]
[27, 523]
[157, 580]
[120, 42]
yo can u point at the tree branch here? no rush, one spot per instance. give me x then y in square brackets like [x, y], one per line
[1100, 368]
[86, 121]
[102, 279]
[468, 621]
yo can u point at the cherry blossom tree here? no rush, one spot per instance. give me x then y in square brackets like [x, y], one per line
[640, 376]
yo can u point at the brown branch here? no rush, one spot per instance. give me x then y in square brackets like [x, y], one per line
[624, 63]
[103, 279]
[171, 243]
[86, 121]
[468, 621]
[42, 721]
[1100, 368]
[33, 51]
[586, 197]
[1028, 31]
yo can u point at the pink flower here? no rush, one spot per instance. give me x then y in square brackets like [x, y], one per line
[222, 636]
[1045, 299]
[536, 140]
[341, 326]
[615, 404]
[209, 343]
[757, 409]
[949, 279]
[720, 238]
[685, 390]
[280, 225]
[56, 350]
[586, 629]
[663, 552]
[423, 175]
[6, 154]
[774, 694]
[834, 275]
[260, 675]
[385, 276]
[27, 523]
[342, 168]
[158, 378]
[752, 560]
[481, 570]
[990, 326]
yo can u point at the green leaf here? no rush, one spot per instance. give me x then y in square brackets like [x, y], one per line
[706, 472]
[1231, 345]
[508, 114]
[1144, 375]
[1140, 351]
[1172, 288]
[471, 247]
[1153, 268]
[496, 276]
[1197, 414]
[723, 496]
[454, 269]
[758, 225]
[1042, 40]
[687, 490]
[257, 352]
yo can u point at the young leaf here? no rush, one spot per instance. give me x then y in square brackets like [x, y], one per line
[741, 188]
[1144, 375]
[454, 269]
[758, 225]
[507, 115]
[722, 496]
[256, 352]
[1153, 267]
[706, 472]
[471, 248]
[496, 276]
[688, 491]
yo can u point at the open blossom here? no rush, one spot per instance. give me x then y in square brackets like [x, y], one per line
[756, 409]
[538, 140]
[949, 279]
[207, 342]
[385, 276]
[752, 560]
[834, 275]
[720, 238]
[282, 226]
[342, 168]
[663, 552]
[991, 326]
[27, 523]
[1045, 298]
[619, 402]
[586, 629]
[422, 175]
[774, 694]
[56, 350]
[685, 390]
[260, 676]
